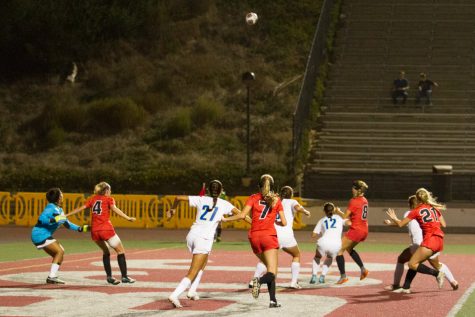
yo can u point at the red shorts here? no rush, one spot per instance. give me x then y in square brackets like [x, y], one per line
[263, 242]
[435, 243]
[356, 235]
[102, 235]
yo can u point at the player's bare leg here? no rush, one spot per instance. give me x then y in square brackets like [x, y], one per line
[295, 267]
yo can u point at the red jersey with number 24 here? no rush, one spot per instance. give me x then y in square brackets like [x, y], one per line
[359, 213]
[428, 219]
[263, 216]
[100, 212]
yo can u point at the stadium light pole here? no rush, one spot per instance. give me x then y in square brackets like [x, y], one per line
[247, 79]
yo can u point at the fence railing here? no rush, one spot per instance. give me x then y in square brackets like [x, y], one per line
[24, 208]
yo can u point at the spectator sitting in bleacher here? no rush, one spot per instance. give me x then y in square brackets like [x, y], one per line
[425, 89]
[400, 88]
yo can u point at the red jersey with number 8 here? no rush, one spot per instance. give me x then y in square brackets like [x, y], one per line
[100, 212]
[428, 219]
[359, 213]
[263, 216]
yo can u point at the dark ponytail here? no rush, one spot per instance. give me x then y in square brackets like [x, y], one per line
[215, 187]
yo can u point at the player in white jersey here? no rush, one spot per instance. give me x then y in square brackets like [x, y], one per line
[285, 235]
[330, 228]
[415, 233]
[210, 211]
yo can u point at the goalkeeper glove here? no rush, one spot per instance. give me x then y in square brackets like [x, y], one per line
[60, 218]
[84, 228]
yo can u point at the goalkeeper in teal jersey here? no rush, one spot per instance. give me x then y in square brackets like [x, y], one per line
[51, 219]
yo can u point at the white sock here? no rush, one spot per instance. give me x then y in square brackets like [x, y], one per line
[326, 266]
[196, 282]
[448, 274]
[315, 266]
[54, 270]
[260, 269]
[398, 272]
[295, 270]
[184, 284]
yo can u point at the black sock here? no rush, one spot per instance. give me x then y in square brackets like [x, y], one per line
[409, 277]
[340, 260]
[218, 232]
[424, 269]
[356, 257]
[106, 260]
[271, 288]
[122, 264]
[267, 278]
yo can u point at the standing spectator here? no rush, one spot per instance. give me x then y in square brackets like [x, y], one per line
[264, 207]
[210, 211]
[424, 89]
[51, 219]
[357, 212]
[400, 88]
[102, 230]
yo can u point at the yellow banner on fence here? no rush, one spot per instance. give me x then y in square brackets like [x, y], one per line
[149, 210]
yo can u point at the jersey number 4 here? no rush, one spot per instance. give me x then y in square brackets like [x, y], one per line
[206, 210]
[97, 208]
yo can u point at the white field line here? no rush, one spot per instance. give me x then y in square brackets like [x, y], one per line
[453, 312]
[78, 260]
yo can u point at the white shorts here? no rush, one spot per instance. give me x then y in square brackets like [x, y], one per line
[328, 247]
[414, 247]
[45, 243]
[286, 241]
[198, 245]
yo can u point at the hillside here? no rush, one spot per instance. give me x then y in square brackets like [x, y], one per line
[157, 105]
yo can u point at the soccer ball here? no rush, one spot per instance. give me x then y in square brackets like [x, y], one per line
[251, 18]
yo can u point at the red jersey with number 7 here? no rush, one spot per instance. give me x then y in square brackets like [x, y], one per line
[263, 216]
[359, 213]
[428, 219]
[100, 212]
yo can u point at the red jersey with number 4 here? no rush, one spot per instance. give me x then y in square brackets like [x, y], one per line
[359, 213]
[263, 216]
[100, 212]
[428, 219]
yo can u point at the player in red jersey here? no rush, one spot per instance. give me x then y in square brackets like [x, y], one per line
[357, 213]
[264, 207]
[430, 219]
[102, 230]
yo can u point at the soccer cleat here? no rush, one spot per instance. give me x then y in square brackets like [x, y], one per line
[193, 296]
[128, 280]
[112, 280]
[321, 280]
[402, 291]
[295, 285]
[175, 302]
[392, 287]
[313, 280]
[256, 285]
[342, 280]
[274, 305]
[455, 285]
[250, 284]
[440, 279]
[54, 280]
[364, 274]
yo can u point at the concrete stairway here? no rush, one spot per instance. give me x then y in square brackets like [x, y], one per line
[361, 134]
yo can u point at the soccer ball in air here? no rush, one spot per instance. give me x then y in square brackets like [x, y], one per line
[251, 18]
